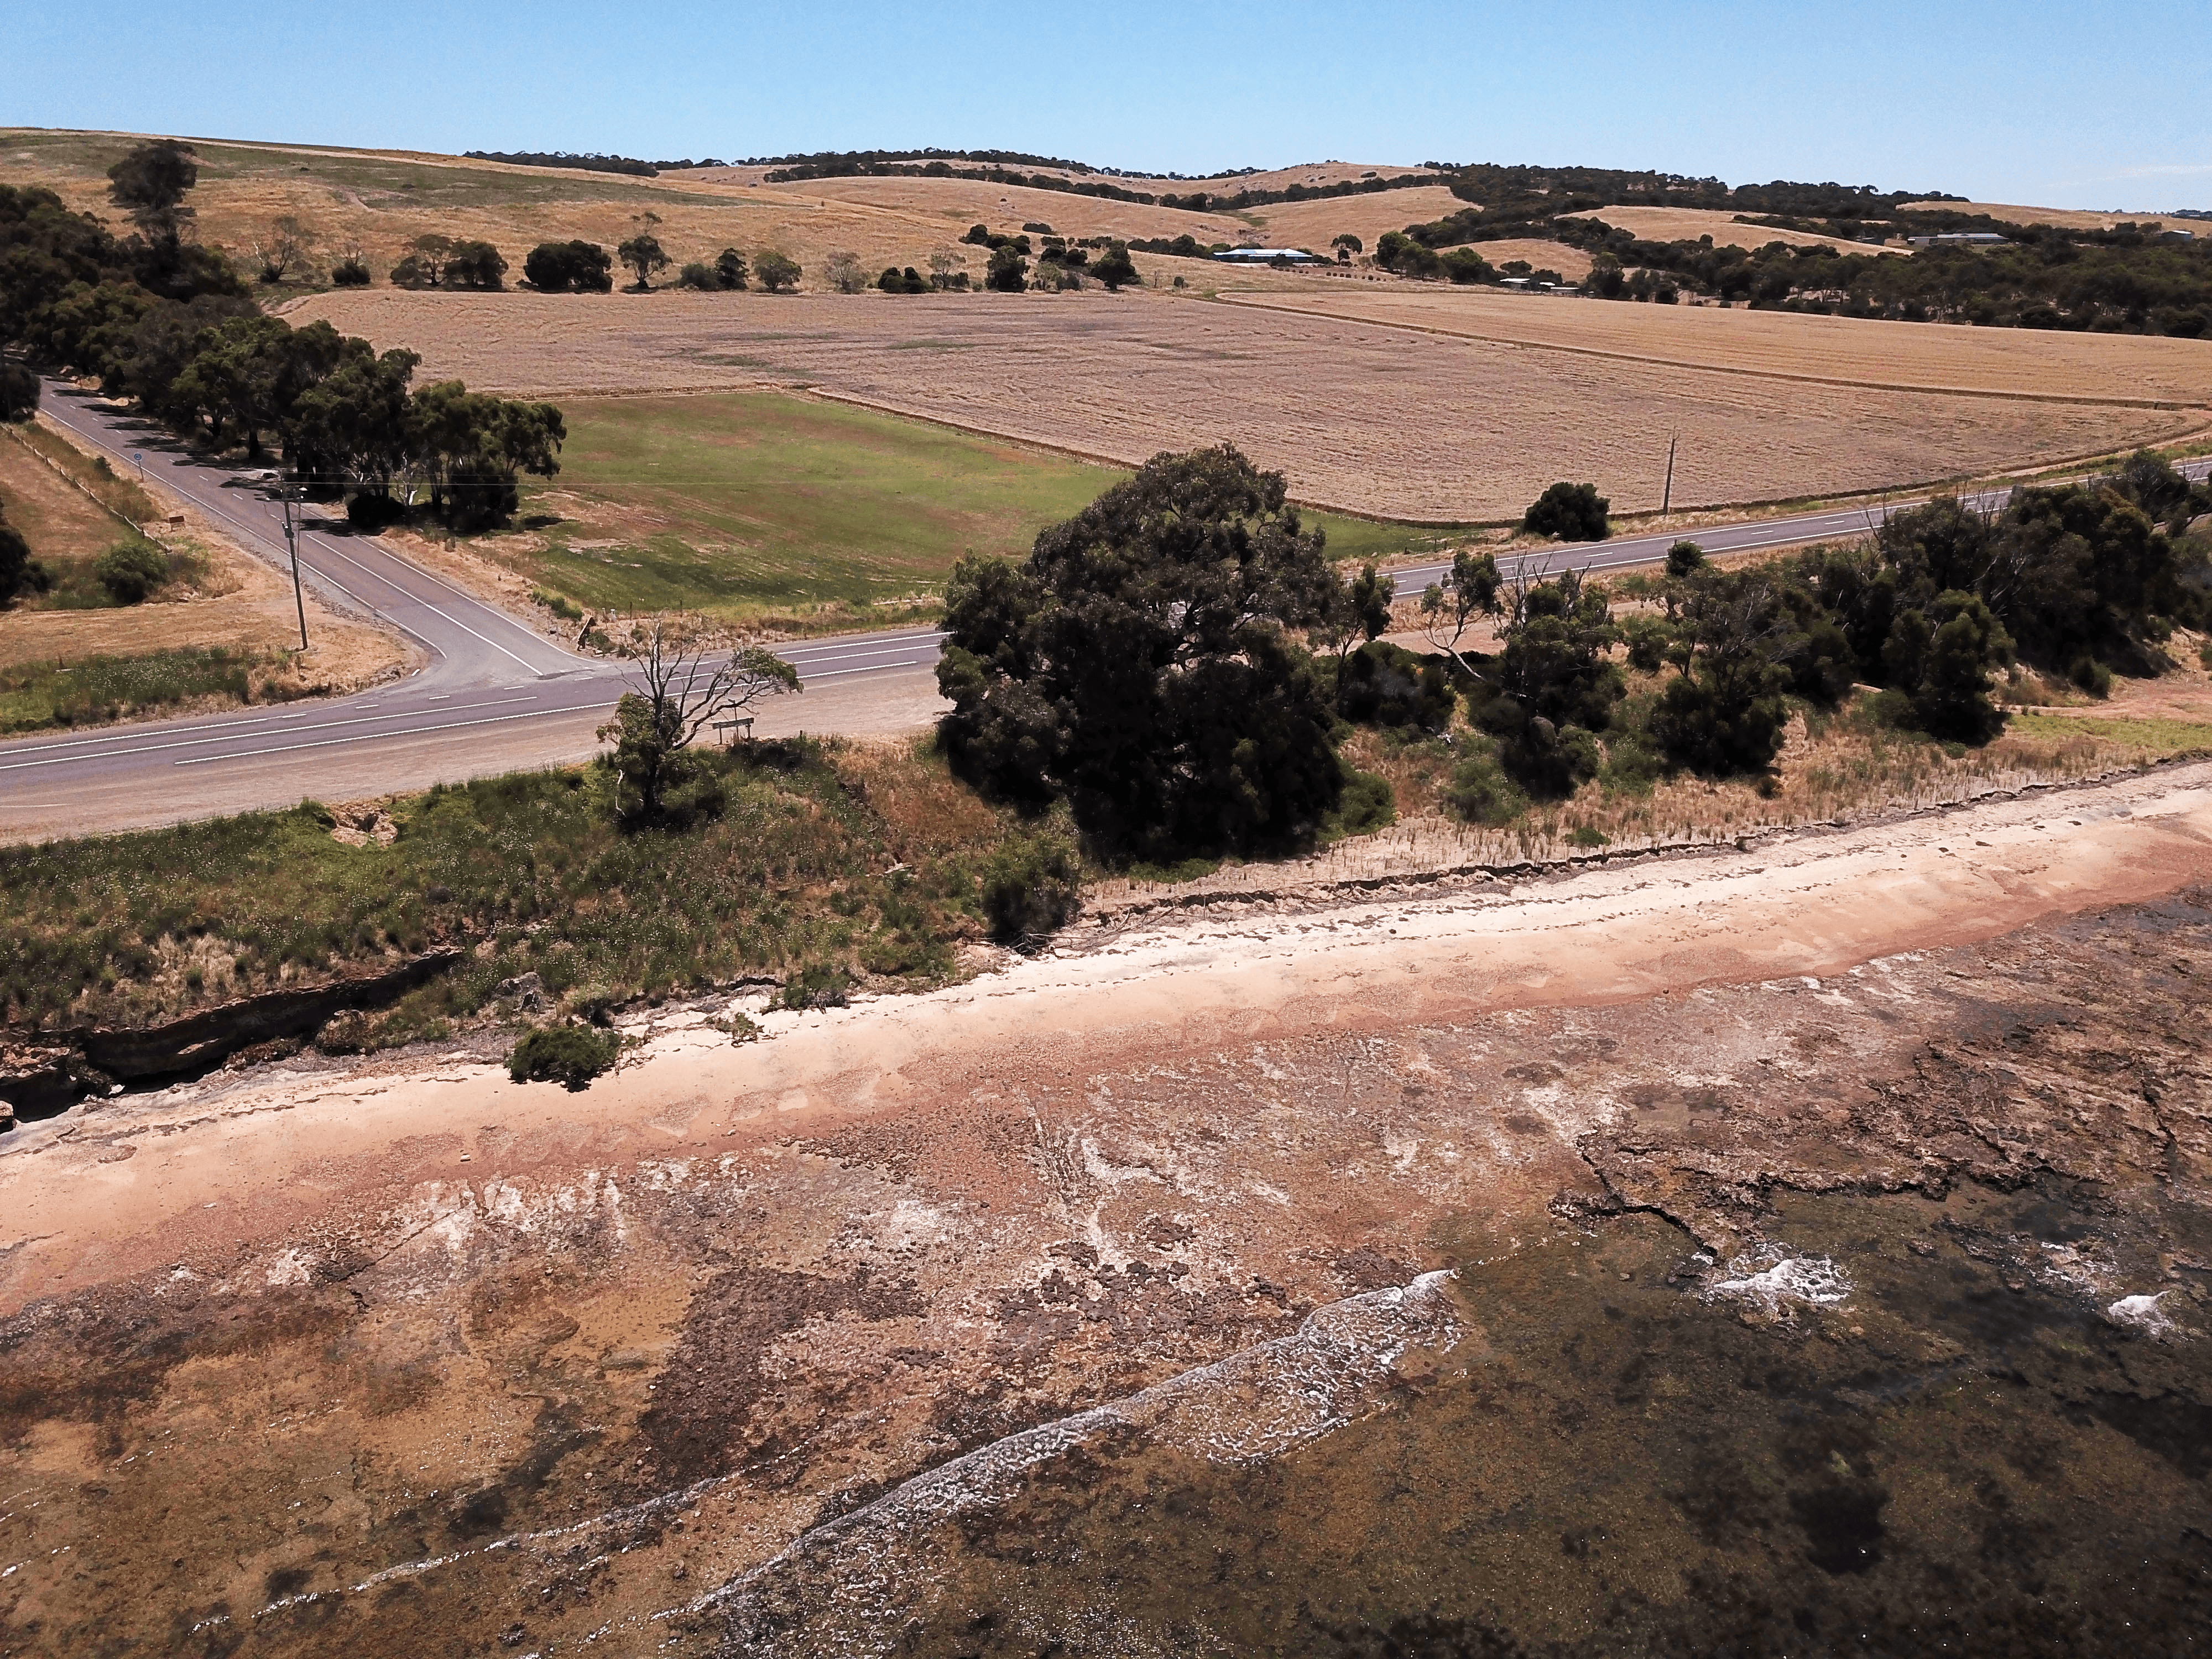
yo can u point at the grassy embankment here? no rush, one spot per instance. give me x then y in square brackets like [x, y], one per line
[771, 510]
[863, 861]
[47, 678]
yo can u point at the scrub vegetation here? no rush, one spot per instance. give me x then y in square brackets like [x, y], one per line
[865, 861]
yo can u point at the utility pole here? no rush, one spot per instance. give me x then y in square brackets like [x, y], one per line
[1667, 500]
[292, 545]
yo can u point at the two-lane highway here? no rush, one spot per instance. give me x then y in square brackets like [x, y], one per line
[496, 696]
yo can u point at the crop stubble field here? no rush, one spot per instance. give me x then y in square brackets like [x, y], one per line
[1432, 423]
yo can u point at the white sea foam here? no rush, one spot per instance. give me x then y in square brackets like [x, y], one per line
[2143, 1313]
[1332, 1371]
[1772, 1279]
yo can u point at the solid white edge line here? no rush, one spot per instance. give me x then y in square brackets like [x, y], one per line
[196, 743]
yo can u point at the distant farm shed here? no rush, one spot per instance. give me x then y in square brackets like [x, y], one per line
[1269, 256]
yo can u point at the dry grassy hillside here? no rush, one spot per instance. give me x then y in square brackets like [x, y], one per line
[1386, 421]
[2063, 218]
[1670, 224]
[380, 201]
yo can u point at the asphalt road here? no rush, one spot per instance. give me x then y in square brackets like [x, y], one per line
[495, 695]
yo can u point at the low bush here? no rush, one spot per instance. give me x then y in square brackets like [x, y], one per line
[570, 1055]
[1032, 887]
[1481, 792]
[351, 272]
[1385, 685]
[1367, 805]
[822, 986]
[2091, 675]
[559, 603]
[131, 571]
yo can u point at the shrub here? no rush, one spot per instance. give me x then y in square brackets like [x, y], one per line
[19, 391]
[1115, 269]
[819, 987]
[373, 510]
[559, 603]
[1032, 887]
[1480, 791]
[2091, 675]
[842, 272]
[778, 272]
[1572, 512]
[15, 559]
[1727, 719]
[571, 1055]
[1009, 272]
[1648, 639]
[730, 267]
[698, 276]
[1386, 685]
[1367, 805]
[475, 265]
[352, 271]
[131, 570]
[1683, 560]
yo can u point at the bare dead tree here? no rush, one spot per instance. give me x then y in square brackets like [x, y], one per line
[685, 676]
[283, 244]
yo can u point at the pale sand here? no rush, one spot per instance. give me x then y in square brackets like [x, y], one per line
[104, 1192]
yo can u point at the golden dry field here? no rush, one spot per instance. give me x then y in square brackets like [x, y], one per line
[2062, 218]
[2120, 369]
[1386, 421]
[1668, 224]
[232, 600]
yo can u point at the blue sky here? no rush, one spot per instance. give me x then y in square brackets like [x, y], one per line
[2066, 105]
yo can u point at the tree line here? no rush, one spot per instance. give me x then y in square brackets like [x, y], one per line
[2122, 280]
[2077, 580]
[1174, 667]
[155, 318]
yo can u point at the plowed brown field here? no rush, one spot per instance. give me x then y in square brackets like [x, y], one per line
[2117, 368]
[1371, 419]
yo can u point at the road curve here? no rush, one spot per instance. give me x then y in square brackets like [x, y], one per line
[495, 695]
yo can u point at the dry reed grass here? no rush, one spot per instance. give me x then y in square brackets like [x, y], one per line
[1375, 420]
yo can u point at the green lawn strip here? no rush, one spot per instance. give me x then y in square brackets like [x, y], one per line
[2153, 736]
[530, 872]
[95, 689]
[760, 503]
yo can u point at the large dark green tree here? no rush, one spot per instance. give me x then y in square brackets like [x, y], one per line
[1143, 664]
[561, 267]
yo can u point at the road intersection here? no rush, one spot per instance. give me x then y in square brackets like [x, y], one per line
[494, 695]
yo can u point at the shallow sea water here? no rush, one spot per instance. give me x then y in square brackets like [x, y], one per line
[1901, 1426]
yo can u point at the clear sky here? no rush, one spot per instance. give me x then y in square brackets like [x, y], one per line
[2063, 105]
